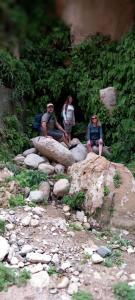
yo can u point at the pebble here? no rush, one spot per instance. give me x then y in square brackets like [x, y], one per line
[10, 226]
[27, 208]
[37, 268]
[65, 265]
[66, 208]
[12, 238]
[80, 216]
[26, 221]
[63, 283]
[26, 249]
[34, 222]
[40, 280]
[21, 264]
[132, 276]
[96, 258]
[55, 259]
[130, 250]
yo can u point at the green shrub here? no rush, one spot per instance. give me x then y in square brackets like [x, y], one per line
[75, 201]
[82, 295]
[123, 291]
[106, 190]
[117, 180]
[2, 227]
[17, 201]
[30, 178]
[9, 277]
[113, 259]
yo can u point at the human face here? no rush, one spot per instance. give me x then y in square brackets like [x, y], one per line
[70, 100]
[50, 109]
[94, 120]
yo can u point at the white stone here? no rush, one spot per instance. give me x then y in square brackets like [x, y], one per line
[96, 258]
[80, 216]
[65, 265]
[79, 152]
[33, 160]
[29, 151]
[53, 150]
[45, 188]
[26, 249]
[46, 168]
[64, 282]
[19, 159]
[36, 268]
[40, 280]
[14, 261]
[73, 288]
[36, 196]
[10, 226]
[66, 208]
[59, 169]
[26, 221]
[55, 259]
[4, 248]
[34, 222]
[130, 250]
[38, 258]
[132, 277]
[21, 264]
[61, 187]
[90, 250]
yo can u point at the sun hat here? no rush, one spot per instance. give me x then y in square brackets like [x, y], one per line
[49, 104]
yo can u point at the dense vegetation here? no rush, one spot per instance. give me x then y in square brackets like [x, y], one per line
[49, 69]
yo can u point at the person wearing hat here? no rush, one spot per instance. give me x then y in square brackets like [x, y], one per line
[51, 127]
[95, 135]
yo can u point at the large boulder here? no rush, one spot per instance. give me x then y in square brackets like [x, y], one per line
[53, 150]
[79, 152]
[109, 190]
[108, 97]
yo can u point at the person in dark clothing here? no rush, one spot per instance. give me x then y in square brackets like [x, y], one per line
[94, 135]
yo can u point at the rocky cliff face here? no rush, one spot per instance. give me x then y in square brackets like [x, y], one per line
[88, 17]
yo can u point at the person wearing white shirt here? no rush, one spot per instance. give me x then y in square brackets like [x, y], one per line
[68, 116]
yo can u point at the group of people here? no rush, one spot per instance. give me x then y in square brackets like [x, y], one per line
[51, 128]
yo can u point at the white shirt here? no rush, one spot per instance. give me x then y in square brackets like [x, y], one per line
[68, 114]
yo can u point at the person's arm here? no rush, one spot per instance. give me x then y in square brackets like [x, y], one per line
[64, 113]
[88, 133]
[44, 126]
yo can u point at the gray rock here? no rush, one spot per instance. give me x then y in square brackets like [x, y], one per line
[103, 251]
[4, 248]
[40, 280]
[45, 188]
[36, 196]
[26, 221]
[34, 257]
[59, 169]
[26, 249]
[29, 151]
[80, 216]
[33, 160]
[61, 187]
[34, 222]
[79, 152]
[19, 159]
[46, 168]
[12, 238]
[38, 211]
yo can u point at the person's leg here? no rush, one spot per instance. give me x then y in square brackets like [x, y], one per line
[90, 147]
[58, 136]
[100, 146]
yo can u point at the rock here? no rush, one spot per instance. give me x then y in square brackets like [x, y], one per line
[92, 175]
[38, 211]
[87, 226]
[34, 257]
[46, 168]
[90, 250]
[19, 159]
[14, 260]
[130, 250]
[65, 265]
[61, 187]
[96, 258]
[75, 141]
[64, 282]
[29, 151]
[34, 222]
[10, 226]
[36, 196]
[66, 208]
[106, 151]
[26, 221]
[4, 248]
[40, 280]
[33, 160]
[73, 288]
[79, 152]
[36, 268]
[59, 169]
[108, 97]
[55, 259]
[12, 238]
[132, 277]
[53, 150]
[80, 216]
[103, 251]
[26, 249]
[5, 173]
